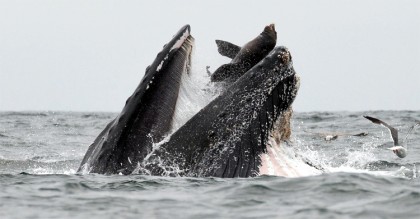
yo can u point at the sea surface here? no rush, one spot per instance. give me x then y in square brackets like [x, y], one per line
[41, 151]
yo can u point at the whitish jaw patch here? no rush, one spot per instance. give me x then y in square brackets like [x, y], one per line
[177, 45]
[181, 40]
[281, 160]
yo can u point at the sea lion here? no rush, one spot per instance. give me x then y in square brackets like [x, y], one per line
[246, 57]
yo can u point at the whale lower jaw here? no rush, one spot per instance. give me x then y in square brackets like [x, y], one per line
[281, 159]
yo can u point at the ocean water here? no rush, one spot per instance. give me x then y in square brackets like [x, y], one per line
[41, 151]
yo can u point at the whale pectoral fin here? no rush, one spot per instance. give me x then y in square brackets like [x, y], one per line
[227, 49]
[226, 71]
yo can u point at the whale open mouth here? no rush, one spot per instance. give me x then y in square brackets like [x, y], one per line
[226, 138]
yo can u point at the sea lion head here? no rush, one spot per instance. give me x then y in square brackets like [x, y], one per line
[270, 30]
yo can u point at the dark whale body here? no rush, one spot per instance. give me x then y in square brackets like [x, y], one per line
[147, 115]
[229, 135]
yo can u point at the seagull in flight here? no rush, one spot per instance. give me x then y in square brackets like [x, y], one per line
[399, 150]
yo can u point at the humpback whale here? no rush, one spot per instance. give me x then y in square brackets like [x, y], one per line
[147, 116]
[238, 134]
[244, 58]
[230, 136]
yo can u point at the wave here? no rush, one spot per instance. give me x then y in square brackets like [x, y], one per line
[35, 166]
[25, 113]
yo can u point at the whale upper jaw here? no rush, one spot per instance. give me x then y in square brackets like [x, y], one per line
[147, 115]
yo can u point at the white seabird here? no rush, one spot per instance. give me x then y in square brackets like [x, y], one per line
[399, 150]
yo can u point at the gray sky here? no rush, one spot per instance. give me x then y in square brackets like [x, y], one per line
[80, 55]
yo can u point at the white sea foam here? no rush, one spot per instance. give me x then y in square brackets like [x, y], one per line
[352, 159]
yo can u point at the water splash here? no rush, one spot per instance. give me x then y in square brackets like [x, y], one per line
[352, 154]
[195, 93]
